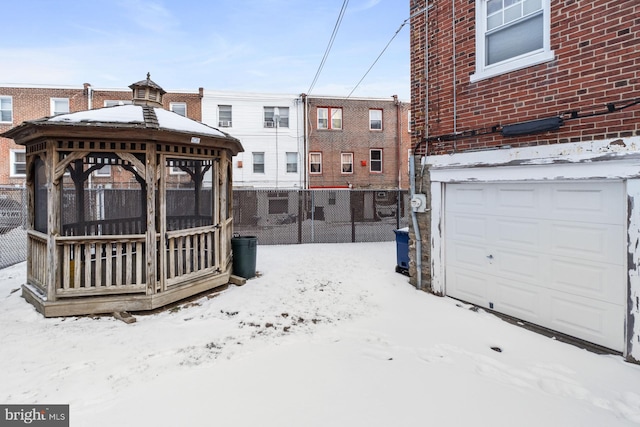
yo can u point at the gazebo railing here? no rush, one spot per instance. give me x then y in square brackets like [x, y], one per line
[37, 256]
[190, 252]
[104, 227]
[96, 265]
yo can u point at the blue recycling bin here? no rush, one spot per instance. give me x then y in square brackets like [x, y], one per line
[402, 250]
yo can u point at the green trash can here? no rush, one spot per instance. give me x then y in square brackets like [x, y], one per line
[244, 255]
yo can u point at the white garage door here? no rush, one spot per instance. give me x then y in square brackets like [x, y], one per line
[552, 254]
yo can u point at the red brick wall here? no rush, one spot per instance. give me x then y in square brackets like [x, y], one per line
[355, 137]
[33, 103]
[597, 61]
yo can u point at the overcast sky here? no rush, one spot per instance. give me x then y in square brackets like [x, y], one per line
[231, 45]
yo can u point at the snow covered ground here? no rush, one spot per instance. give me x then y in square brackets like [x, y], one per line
[328, 335]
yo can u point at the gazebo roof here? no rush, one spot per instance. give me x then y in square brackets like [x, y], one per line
[123, 117]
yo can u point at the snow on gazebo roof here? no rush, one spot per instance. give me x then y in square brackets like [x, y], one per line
[134, 114]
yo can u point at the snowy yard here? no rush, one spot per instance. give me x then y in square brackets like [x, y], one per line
[328, 335]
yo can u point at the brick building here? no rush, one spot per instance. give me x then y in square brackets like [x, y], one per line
[19, 103]
[357, 143]
[526, 115]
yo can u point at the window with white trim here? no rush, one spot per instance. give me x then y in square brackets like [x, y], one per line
[114, 102]
[276, 116]
[292, 162]
[315, 163]
[375, 160]
[17, 163]
[6, 109]
[179, 108]
[346, 163]
[59, 106]
[375, 119]
[258, 162]
[511, 34]
[103, 171]
[225, 117]
[329, 118]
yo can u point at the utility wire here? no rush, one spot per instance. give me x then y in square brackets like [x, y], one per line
[331, 40]
[381, 53]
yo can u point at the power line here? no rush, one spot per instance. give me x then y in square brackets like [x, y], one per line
[331, 40]
[381, 53]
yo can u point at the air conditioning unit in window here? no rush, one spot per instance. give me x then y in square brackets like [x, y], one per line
[224, 123]
[269, 124]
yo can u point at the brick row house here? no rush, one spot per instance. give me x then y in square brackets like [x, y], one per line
[19, 103]
[357, 143]
[526, 133]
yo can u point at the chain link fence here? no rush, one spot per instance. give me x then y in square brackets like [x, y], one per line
[320, 216]
[273, 216]
[13, 221]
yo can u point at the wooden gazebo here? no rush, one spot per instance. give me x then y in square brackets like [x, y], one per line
[157, 232]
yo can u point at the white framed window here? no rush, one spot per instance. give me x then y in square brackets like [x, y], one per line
[103, 171]
[179, 108]
[346, 163]
[6, 109]
[315, 163]
[114, 102]
[375, 119]
[59, 106]
[258, 162]
[17, 163]
[292, 162]
[225, 117]
[329, 118]
[375, 160]
[276, 116]
[510, 35]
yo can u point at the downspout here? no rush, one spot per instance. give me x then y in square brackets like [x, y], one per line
[414, 219]
[455, 100]
[398, 138]
[89, 89]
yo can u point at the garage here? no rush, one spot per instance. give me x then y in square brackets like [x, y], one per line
[549, 253]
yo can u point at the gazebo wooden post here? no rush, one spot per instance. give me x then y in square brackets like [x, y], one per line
[162, 227]
[151, 176]
[53, 219]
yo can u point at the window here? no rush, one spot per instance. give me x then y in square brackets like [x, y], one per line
[409, 121]
[511, 34]
[59, 106]
[375, 160]
[315, 163]
[178, 108]
[114, 102]
[104, 171]
[278, 202]
[224, 116]
[17, 163]
[258, 162]
[6, 109]
[276, 116]
[323, 118]
[375, 119]
[292, 162]
[346, 162]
